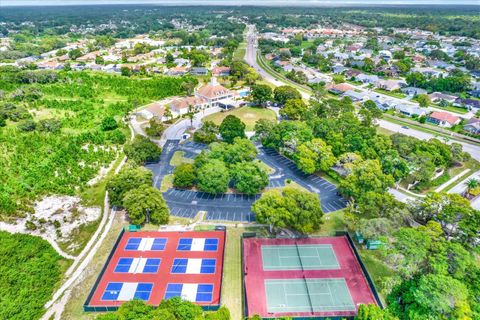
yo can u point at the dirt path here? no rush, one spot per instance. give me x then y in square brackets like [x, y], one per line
[54, 307]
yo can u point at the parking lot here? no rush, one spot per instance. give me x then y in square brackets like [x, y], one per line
[236, 207]
[285, 169]
[231, 207]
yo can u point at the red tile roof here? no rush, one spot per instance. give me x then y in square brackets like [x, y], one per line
[444, 116]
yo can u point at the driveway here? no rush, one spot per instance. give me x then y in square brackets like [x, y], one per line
[235, 207]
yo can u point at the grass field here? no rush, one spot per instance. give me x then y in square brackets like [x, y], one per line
[178, 158]
[232, 296]
[249, 115]
[264, 166]
[167, 183]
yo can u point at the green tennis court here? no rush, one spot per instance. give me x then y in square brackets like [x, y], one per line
[308, 295]
[299, 257]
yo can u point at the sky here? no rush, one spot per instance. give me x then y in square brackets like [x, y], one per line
[238, 2]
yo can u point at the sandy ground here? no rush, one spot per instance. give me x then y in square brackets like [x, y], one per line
[55, 218]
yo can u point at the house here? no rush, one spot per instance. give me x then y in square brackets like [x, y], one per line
[221, 71]
[385, 55]
[365, 78]
[340, 56]
[467, 103]
[337, 69]
[338, 88]
[352, 73]
[429, 72]
[180, 106]
[214, 92]
[358, 63]
[355, 96]
[474, 93]
[472, 126]
[389, 85]
[437, 97]
[181, 62]
[152, 110]
[199, 71]
[49, 65]
[177, 71]
[410, 110]
[438, 64]
[443, 119]
[413, 91]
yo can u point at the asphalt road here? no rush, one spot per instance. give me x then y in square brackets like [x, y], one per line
[235, 207]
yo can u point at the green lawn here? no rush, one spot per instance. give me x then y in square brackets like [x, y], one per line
[264, 166]
[232, 296]
[451, 108]
[391, 94]
[249, 115]
[167, 183]
[178, 158]
[232, 274]
[379, 271]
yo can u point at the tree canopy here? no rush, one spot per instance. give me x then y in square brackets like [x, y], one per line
[289, 208]
[232, 127]
[146, 202]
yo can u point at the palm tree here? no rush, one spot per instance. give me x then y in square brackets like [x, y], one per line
[471, 184]
[191, 114]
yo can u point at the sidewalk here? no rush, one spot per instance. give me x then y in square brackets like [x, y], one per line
[446, 184]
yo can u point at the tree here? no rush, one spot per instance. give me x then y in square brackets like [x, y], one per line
[207, 133]
[294, 109]
[369, 112]
[191, 114]
[99, 60]
[108, 123]
[75, 54]
[450, 210]
[181, 309]
[146, 204]
[142, 150]
[431, 297]
[213, 177]
[314, 155]
[338, 78]
[168, 113]
[127, 179]
[283, 93]
[471, 184]
[289, 208]
[261, 94]
[365, 176]
[50, 125]
[155, 127]
[125, 71]
[184, 176]
[423, 100]
[241, 150]
[248, 177]
[373, 312]
[231, 128]
[416, 79]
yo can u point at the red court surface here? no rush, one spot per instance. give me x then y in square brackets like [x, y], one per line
[255, 276]
[138, 279]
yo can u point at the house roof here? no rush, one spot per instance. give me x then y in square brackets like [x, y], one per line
[343, 87]
[218, 70]
[444, 116]
[213, 90]
[442, 96]
[155, 108]
[474, 121]
[183, 103]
